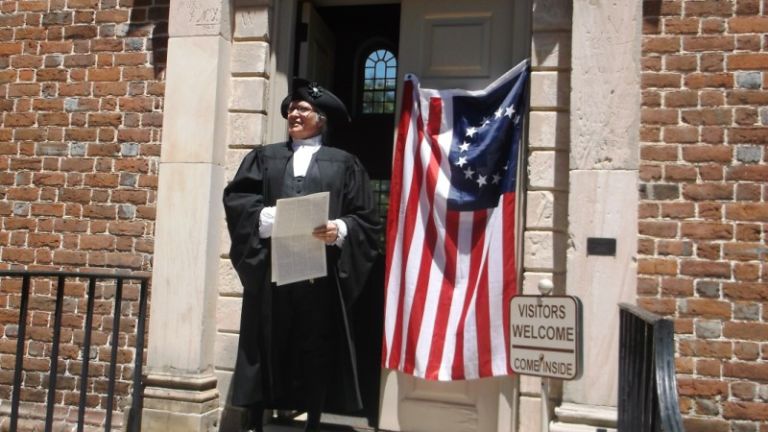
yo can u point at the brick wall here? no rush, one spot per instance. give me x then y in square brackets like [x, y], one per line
[704, 202]
[81, 98]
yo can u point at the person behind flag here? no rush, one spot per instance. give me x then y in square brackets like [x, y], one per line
[295, 340]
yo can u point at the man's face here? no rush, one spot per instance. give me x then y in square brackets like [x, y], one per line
[303, 120]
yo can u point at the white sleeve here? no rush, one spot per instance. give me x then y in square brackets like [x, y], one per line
[342, 227]
[266, 220]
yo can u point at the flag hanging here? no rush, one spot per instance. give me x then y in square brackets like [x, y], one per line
[450, 271]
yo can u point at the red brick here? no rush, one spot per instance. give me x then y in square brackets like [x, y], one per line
[37, 240]
[681, 134]
[708, 251]
[10, 48]
[683, 98]
[748, 43]
[127, 228]
[658, 153]
[660, 80]
[713, 98]
[744, 135]
[80, 32]
[708, 8]
[746, 350]
[661, 306]
[704, 117]
[681, 25]
[706, 308]
[675, 287]
[753, 212]
[658, 229]
[746, 291]
[104, 119]
[706, 192]
[707, 424]
[708, 368]
[714, 269]
[703, 348]
[748, 232]
[661, 44]
[748, 24]
[129, 196]
[747, 97]
[706, 230]
[18, 255]
[678, 210]
[677, 173]
[66, 257]
[746, 331]
[746, 410]
[647, 286]
[751, 371]
[709, 80]
[112, 16]
[711, 172]
[47, 209]
[747, 61]
[708, 43]
[699, 387]
[138, 73]
[741, 251]
[657, 266]
[650, 172]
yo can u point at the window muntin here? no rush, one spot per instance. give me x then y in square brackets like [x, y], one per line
[379, 82]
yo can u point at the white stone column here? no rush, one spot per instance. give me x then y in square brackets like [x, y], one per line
[547, 191]
[605, 120]
[181, 394]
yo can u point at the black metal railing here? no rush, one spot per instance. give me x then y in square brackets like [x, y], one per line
[61, 278]
[647, 386]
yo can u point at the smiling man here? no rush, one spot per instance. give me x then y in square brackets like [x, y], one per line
[295, 350]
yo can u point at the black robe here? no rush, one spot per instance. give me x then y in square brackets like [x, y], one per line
[264, 372]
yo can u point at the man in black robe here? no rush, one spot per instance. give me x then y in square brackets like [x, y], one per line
[296, 349]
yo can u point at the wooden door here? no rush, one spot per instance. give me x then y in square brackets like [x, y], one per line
[317, 50]
[456, 44]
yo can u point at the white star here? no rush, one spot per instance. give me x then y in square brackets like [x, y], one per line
[471, 131]
[481, 180]
[464, 146]
[499, 112]
[462, 161]
[517, 119]
[486, 121]
[468, 173]
[509, 111]
[496, 179]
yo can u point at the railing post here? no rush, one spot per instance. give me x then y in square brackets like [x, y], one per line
[18, 377]
[22, 334]
[648, 398]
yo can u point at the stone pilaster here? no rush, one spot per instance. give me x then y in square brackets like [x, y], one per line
[547, 195]
[605, 113]
[180, 393]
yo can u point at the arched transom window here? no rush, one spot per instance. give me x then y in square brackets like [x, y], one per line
[379, 78]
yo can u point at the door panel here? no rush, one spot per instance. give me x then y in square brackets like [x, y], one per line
[316, 53]
[455, 44]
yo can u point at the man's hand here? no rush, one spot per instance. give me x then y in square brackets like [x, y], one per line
[327, 233]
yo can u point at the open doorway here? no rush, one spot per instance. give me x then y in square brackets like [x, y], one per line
[353, 51]
[361, 52]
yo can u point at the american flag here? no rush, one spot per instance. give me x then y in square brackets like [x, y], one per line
[451, 230]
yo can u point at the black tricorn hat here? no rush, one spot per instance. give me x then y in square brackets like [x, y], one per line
[320, 97]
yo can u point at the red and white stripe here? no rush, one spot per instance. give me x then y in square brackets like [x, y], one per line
[450, 274]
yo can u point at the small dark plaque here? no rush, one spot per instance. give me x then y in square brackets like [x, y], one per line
[601, 246]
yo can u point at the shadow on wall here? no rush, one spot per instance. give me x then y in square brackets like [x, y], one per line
[148, 24]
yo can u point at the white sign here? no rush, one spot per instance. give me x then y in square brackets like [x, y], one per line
[545, 336]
